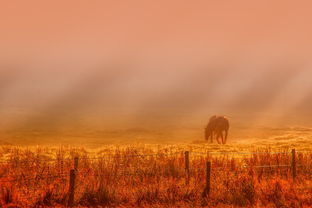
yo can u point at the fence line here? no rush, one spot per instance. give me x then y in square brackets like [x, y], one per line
[134, 173]
[239, 153]
[265, 166]
[156, 154]
[36, 178]
[74, 173]
[95, 158]
[304, 151]
[187, 168]
[35, 160]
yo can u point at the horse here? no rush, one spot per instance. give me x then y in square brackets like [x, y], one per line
[219, 126]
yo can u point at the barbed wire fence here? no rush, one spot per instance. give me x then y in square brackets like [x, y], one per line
[74, 173]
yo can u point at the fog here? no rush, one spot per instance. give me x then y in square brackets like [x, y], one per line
[269, 92]
[101, 66]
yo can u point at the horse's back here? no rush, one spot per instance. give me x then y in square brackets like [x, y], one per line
[222, 123]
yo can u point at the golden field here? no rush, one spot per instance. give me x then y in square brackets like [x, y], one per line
[243, 174]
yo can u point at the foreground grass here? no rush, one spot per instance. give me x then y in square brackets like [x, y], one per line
[153, 176]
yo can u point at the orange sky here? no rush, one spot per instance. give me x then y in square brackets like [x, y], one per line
[34, 27]
[154, 58]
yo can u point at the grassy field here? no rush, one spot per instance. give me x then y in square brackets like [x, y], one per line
[153, 175]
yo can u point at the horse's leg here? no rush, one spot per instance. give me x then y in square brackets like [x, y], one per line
[207, 134]
[211, 137]
[225, 136]
[222, 138]
[221, 135]
[218, 137]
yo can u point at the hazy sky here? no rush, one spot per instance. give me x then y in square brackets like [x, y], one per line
[96, 61]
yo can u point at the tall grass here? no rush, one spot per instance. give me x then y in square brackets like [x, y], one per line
[151, 176]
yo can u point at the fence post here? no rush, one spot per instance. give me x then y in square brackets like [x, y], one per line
[76, 159]
[71, 197]
[208, 172]
[62, 167]
[293, 164]
[187, 167]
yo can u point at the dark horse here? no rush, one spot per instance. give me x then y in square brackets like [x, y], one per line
[217, 126]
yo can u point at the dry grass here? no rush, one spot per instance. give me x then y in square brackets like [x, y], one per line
[117, 176]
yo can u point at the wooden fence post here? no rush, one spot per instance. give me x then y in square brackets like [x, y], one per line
[187, 167]
[62, 167]
[72, 179]
[293, 164]
[76, 159]
[208, 172]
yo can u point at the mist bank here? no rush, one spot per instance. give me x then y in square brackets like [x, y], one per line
[122, 97]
